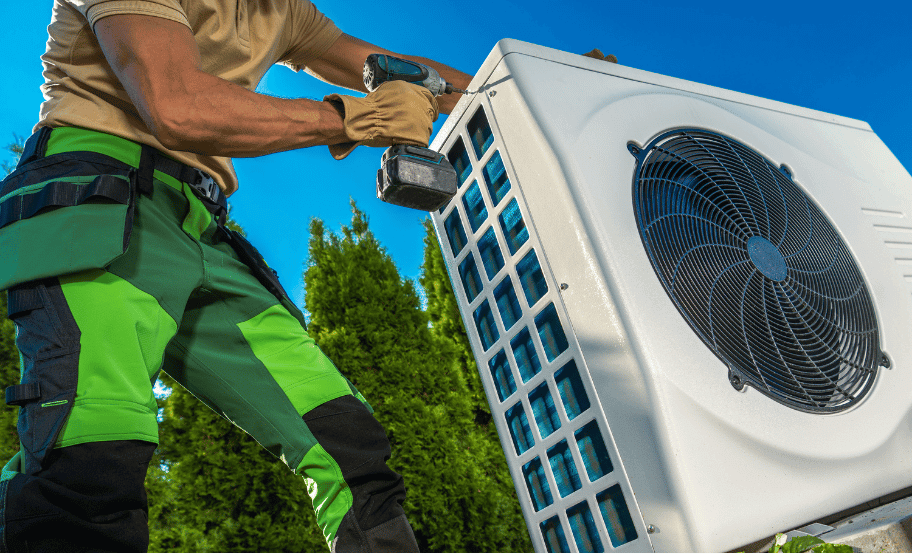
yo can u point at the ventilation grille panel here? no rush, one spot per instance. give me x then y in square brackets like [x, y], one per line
[757, 270]
[564, 462]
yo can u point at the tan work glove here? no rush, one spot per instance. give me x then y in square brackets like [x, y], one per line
[396, 112]
[597, 54]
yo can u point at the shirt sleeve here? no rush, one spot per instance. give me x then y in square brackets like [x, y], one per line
[93, 10]
[309, 33]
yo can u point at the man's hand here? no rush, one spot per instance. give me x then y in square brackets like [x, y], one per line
[598, 55]
[158, 63]
[396, 112]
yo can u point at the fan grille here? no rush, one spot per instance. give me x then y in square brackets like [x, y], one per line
[757, 270]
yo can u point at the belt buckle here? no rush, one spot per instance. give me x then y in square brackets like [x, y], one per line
[211, 194]
[206, 186]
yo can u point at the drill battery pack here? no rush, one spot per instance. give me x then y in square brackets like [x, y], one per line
[415, 177]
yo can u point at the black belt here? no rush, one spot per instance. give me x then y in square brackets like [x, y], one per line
[203, 185]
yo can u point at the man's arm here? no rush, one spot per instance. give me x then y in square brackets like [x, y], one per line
[343, 65]
[158, 63]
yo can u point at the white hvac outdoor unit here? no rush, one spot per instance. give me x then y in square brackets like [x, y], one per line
[691, 308]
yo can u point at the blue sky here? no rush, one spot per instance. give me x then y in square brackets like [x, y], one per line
[850, 59]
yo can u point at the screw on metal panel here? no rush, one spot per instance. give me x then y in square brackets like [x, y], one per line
[492, 93]
[633, 148]
[885, 360]
[735, 380]
[564, 286]
[650, 529]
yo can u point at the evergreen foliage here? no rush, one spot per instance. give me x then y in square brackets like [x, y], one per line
[446, 321]
[9, 355]
[15, 148]
[448, 326]
[368, 321]
[9, 375]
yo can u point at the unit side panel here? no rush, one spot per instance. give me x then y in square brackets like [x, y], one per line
[543, 163]
[569, 476]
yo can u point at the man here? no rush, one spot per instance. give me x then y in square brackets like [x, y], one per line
[118, 265]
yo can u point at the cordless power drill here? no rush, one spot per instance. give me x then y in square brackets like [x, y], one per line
[411, 176]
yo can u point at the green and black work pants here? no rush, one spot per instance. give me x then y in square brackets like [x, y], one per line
[117, 268]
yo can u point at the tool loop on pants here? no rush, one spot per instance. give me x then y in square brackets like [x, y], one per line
[36, 146]
[22, 299]
[17, 395]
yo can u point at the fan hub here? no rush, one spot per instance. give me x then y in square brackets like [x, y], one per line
[767, 258]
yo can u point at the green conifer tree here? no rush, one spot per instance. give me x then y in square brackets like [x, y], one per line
[9, 355]
[446, 322]
[368, 321]
[9, 375]
[448, 326]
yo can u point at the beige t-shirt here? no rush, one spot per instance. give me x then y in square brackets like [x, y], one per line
[239, 40]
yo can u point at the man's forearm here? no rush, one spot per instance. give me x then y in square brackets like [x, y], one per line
[217, 117]
[158, 63]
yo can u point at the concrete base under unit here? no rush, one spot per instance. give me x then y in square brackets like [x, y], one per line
[884, 528]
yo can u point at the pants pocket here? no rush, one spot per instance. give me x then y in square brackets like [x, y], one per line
[63, 214]
[48, 340]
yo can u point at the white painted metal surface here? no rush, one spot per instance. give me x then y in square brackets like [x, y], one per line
[700, 466]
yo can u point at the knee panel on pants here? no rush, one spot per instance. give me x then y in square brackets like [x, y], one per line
[91, 495]
[350, 434]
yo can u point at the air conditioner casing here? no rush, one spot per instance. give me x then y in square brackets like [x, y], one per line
[703, 467]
